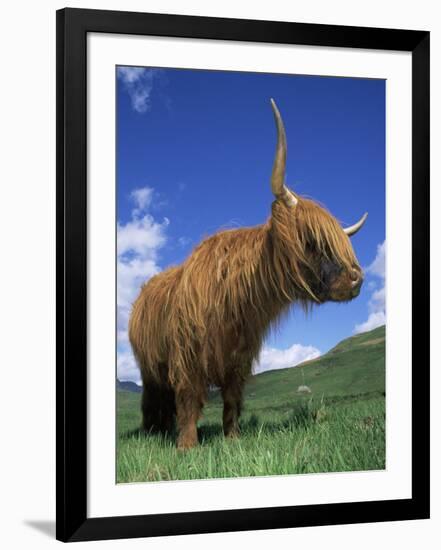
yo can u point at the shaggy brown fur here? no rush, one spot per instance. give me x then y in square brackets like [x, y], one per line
[203, 322]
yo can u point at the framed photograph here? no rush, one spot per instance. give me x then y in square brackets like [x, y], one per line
[237, 201]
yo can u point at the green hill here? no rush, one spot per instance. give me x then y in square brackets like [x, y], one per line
[354, 367]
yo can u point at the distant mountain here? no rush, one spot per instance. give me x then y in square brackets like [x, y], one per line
[128, 386]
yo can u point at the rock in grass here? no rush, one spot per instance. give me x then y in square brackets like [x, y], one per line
[304, 389]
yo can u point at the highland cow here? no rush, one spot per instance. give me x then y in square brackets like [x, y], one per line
[203, 322]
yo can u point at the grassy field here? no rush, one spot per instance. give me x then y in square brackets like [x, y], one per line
[340, 426]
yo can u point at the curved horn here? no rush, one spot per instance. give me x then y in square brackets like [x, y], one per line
[356, 227]
[278, 186]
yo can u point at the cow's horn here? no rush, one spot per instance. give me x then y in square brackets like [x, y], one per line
[356, 227]
[278, 186]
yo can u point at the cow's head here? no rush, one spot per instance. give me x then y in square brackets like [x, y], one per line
[318, 249]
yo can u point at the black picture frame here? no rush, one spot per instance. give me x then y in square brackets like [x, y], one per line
[71, 156]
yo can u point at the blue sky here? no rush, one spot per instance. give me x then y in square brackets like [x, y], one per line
[194, 155]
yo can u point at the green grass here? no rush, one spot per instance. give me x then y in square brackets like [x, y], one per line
[340, 426]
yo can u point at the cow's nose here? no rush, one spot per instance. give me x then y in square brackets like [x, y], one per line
[356, 276]
[357, 280]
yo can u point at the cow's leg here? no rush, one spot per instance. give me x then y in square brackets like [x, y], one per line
[158, 407]
[189, 403]
[232, 392]
[150, 406]
[167, 409]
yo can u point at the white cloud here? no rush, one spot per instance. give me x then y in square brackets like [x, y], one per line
[273, 358]
[138, 82]
[378, 266]
[377, 302]
[141, 237]
[142, 198]
[138, 243]
[374, 320]
[126, 367]
[130, 75]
